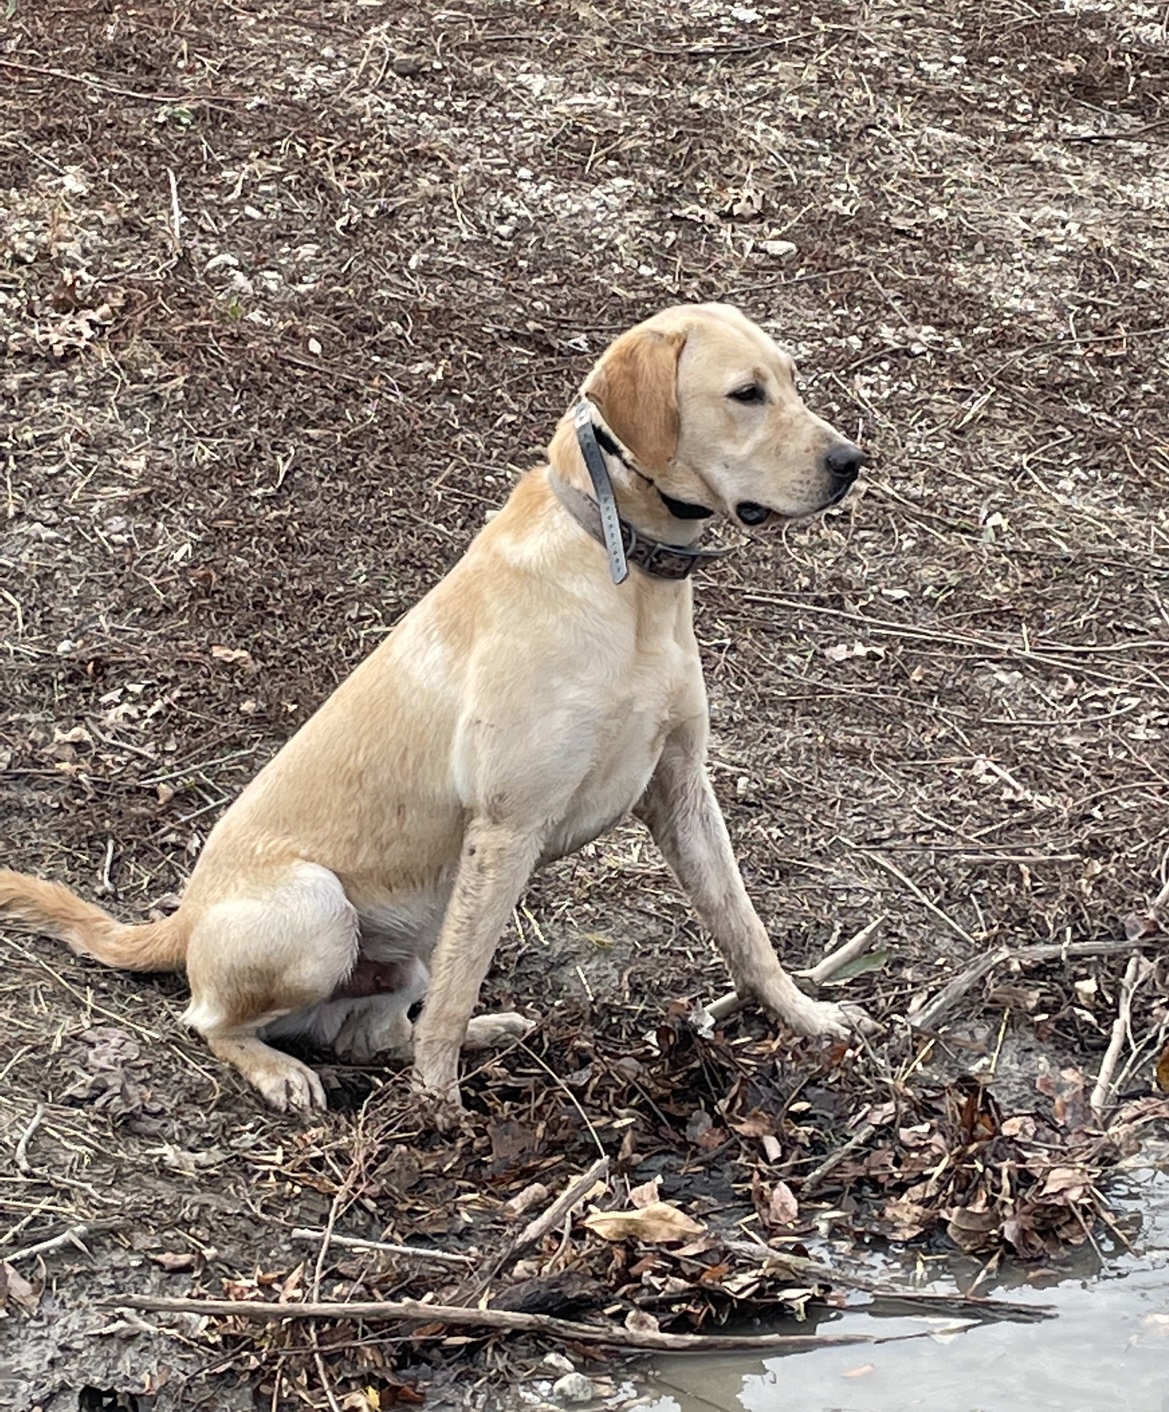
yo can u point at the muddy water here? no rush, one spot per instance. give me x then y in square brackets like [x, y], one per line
[1108, 1347]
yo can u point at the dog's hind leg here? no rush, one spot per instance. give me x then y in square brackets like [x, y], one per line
[254, 960]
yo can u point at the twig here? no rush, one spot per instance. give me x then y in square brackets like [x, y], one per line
[73, 1236]
[1121, 1029]
[927, 1017]
[921, 897]
[413, 1252]
[836, 960]
[176, 234]
[568, 1093]
[90, 82]
[415, 1311]
[807, 1269]
[727, 1005]
[537, 1229]
[22, 1162]
[817, 1175]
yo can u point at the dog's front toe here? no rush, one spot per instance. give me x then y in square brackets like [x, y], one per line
[832, 1021]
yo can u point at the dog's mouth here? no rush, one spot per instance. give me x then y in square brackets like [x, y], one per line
[751, 515]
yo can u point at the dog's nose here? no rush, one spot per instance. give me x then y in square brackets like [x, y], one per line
[843, 461]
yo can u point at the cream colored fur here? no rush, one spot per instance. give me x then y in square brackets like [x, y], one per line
[519, 710]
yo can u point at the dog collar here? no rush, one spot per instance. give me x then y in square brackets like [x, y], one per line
[680, 509]
[660, 561]
[601, 519]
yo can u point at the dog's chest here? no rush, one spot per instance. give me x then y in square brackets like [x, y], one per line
[625, 753]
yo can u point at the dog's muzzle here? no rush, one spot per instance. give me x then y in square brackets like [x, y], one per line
[843, 463]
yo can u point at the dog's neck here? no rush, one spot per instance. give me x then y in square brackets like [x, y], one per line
[640, 503]
[613, 500]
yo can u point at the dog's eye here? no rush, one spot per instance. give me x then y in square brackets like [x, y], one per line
[751, 393]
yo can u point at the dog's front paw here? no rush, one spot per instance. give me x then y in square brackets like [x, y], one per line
[441, 1110]
[822, 1017]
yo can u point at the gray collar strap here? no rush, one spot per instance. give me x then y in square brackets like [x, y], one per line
[605, 507]
[599, 518]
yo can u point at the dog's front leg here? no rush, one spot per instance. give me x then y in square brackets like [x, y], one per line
[682, 813]
[496, 862]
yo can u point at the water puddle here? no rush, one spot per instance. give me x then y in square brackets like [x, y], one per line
[1108, 1347]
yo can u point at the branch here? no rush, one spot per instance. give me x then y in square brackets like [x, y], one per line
[415, 1311]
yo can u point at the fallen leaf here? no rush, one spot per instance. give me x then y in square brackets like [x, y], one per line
[782, 1209]
[1138, 925]
[639, 1322]
[1068, 1182]
[655, 1224]
[755, 1124]
[1162, 1070]
[15, 1291]
[646, 1194]
[175, 1262]
[233, 656]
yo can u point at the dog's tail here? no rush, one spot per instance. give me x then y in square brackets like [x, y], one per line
[51, 908]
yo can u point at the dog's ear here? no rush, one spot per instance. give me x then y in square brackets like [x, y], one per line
[635, 387]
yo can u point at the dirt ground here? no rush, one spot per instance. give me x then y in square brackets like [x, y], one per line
[289, 296]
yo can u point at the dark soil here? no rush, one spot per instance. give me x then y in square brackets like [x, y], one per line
[289, 295]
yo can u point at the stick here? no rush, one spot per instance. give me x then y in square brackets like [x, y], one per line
[727, 1005]
[22, 1162]
[176, 233]
[928, 1016]
[537, 1229]
[817, 1175]
[414, 1252]
[1121, 1029]
[921, 897]
[838, 959]
[415, 1311]
[73, 1236]
[967, 1304]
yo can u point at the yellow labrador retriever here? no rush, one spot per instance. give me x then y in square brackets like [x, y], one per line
[547, 686]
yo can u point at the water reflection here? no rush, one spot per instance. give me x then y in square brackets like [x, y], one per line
[1109, 1348]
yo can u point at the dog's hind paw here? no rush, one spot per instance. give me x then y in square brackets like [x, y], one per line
[487, 1031]
[291, 1086]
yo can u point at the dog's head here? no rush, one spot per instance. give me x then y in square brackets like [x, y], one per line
[708, 407]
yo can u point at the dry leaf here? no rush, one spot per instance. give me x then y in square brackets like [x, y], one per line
[175, 1262]
[655, 1224]
[16, 1292]
[233, 656]
[646, 1194]
[1161, 1072]
[1138, 925]
[782, 1209]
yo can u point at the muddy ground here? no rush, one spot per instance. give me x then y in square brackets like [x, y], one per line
[289, 296]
